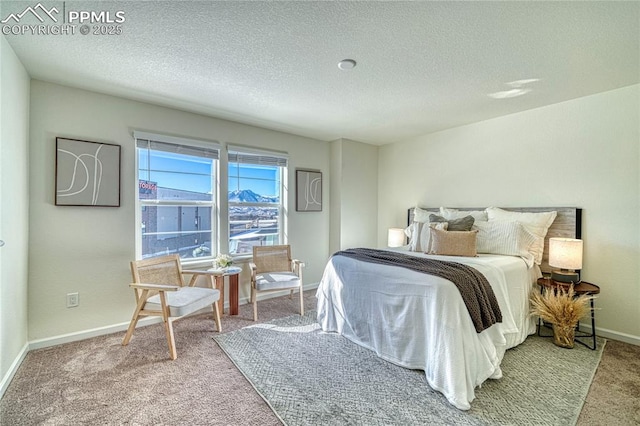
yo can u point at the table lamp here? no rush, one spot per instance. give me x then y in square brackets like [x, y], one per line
[395, 237]
[566, 254]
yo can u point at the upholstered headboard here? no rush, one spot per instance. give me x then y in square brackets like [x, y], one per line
[567, 224]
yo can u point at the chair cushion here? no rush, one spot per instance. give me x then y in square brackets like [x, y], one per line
[277, 280]
[185, 301]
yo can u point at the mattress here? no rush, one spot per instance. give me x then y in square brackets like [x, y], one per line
[419, 321]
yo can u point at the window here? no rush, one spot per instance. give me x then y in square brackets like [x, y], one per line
[257, 199]
[176, 196]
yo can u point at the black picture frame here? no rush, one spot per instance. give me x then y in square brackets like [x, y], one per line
[87, 173]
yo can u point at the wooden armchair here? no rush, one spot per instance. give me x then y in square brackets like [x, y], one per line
[273, 269]
[160, 291]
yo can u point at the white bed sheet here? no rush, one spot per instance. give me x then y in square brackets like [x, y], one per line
[419, 321]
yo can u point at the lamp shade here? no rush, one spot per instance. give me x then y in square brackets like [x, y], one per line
[565, 253]
[395, 237]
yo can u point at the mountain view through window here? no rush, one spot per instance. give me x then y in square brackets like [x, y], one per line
[177, 199]
[254, 206]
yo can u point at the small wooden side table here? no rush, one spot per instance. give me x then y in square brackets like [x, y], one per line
[582, 287]
[216, 277]
[233, 272]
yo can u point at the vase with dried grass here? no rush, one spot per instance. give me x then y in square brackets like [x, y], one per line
[563, 309]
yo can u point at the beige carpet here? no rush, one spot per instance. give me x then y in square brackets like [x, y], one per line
[99, 382]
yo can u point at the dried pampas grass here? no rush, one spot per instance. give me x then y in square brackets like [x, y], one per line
[561, 308]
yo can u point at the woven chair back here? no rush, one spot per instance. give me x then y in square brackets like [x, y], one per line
[159, 270]
[272, 258]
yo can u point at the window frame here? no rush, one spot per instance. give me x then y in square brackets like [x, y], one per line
[260, 157]
[191, 147]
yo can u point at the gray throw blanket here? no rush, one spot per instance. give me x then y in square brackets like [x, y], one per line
[474, 288]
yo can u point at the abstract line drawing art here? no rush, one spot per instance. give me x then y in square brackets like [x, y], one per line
[308, 191]
[87, 173]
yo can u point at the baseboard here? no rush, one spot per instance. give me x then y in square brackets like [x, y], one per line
[115, 328]
[87, 334]
[614, 335]
[101, 331]
[13, 368]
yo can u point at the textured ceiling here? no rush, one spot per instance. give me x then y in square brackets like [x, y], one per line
[422, 66]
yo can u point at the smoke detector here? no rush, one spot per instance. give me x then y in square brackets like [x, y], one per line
[346, 64]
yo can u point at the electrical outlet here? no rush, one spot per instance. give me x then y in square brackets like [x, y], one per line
[73, 300]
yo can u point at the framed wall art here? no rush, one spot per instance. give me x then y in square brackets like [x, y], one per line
[87, 173]
[308, 191]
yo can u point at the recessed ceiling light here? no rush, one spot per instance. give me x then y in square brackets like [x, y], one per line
[518, 89]
[346, 64]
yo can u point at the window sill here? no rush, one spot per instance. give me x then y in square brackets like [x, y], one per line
[242, 258]
[208, 263]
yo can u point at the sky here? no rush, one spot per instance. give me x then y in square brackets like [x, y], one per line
[193, 174]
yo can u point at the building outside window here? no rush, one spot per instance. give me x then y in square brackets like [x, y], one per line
[257, 199]
[176, 196]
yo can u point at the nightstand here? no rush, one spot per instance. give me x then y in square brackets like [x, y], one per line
[582, 287]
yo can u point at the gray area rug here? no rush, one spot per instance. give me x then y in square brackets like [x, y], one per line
[309, 377]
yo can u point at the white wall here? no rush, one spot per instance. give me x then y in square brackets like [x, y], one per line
[354, 195]
[336, 196]
[14, 210]
[88, 249]
[581, 153]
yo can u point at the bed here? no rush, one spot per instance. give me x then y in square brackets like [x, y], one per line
[419, 321]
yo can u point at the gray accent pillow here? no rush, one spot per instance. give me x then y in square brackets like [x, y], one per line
[462, 224]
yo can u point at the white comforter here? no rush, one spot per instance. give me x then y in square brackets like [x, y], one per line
[419, 321]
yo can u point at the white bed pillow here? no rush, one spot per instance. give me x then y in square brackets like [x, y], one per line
[419, 236]
[478, 215]
[536, 223]
[508, 238]
[421, 215]
[413, 232]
